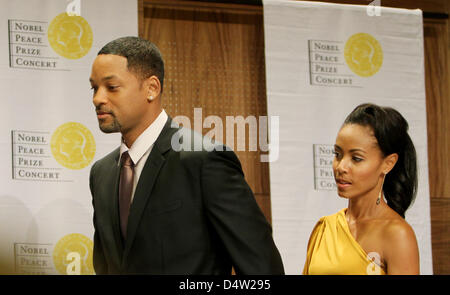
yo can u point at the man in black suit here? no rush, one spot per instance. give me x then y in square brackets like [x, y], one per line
[191, 212]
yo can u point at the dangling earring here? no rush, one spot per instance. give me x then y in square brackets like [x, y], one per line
[381, 190]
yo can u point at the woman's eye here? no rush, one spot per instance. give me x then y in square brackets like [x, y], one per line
[356, 159]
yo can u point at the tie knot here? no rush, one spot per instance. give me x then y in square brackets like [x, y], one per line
[126, 159]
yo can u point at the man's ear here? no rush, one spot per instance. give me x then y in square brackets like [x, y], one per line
[153, 87]
[389, 162]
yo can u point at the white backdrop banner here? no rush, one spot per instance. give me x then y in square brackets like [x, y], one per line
[50, 135]
[322, 60]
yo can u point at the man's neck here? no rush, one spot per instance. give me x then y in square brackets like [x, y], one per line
[130, 137]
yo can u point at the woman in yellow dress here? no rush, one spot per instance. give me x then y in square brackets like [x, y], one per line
[375, 169]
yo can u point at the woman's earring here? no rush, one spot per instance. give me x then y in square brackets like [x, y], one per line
[381, 190]
[150, 98]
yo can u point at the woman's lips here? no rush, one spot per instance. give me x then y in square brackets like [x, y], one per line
[342, 184]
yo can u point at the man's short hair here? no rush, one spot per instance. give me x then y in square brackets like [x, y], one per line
[144, 58]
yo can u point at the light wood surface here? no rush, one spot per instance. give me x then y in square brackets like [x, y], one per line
[214, 60]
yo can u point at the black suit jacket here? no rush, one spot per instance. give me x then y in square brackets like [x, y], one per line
[192, 213]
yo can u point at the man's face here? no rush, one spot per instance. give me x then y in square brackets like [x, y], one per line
[119, 99]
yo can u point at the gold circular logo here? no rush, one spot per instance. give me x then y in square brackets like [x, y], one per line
[72, 255]
[363, 54]
[70, 36]
[73, 145]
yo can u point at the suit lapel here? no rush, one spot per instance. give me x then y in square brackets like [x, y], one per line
[109, 202]
[146, 182]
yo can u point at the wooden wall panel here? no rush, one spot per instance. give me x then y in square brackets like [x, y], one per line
[440, 232]
[438, 123]
[214, 60]
[438, 106]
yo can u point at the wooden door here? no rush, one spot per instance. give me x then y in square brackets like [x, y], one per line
[214, 62]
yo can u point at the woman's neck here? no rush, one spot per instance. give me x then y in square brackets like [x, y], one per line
[365, 207]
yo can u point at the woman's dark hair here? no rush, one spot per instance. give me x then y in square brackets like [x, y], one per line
[391, 132]
[143, 57]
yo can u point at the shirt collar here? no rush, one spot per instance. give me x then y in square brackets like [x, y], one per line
[145, 140]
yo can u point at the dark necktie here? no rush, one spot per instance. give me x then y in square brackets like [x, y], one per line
[125, 191]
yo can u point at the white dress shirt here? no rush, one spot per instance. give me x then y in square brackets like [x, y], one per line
[141, 148]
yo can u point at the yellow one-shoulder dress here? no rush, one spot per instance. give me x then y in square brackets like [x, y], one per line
[332, 250]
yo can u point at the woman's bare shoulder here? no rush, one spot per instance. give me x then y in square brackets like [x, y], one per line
[400, 247]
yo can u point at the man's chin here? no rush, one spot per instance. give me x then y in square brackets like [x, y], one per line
[109, 129]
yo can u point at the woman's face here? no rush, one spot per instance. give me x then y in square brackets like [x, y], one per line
[358, 163]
